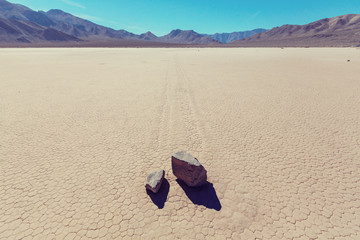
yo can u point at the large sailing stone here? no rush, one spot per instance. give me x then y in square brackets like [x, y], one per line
[188, 169]
[154, 180]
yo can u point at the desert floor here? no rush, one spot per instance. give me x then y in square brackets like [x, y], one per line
[278, 131]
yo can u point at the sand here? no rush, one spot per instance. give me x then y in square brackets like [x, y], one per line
[278, 131]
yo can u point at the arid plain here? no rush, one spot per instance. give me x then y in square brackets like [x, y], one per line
[278, 131]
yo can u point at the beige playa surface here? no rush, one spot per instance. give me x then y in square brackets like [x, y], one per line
[278, 131]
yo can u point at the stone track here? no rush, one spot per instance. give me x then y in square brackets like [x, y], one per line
[277, 130]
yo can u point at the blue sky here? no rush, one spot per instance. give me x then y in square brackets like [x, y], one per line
[203, 16]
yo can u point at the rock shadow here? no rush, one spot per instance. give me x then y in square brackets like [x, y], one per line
[160, 197]
[204, 195]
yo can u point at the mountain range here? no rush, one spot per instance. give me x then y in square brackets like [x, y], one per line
[341, 31]
[20, 25]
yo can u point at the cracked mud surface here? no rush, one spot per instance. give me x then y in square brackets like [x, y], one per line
[277, 130]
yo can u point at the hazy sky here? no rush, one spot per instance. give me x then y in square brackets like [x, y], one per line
[203, 16]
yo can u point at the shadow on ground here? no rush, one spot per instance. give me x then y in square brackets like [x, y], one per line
[160, 197]
[204, 195]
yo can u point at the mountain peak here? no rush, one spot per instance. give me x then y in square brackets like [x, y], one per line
[148, 33]
[148, 36]
[175, 31]
[57, 12]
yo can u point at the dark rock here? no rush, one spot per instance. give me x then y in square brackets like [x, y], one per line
[160, 197]
[188, 169]
[154, 181]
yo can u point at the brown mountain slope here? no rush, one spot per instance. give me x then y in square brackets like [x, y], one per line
[17, 31]
[337, 31]
[82, 28]
[61, 21]
[12, 11]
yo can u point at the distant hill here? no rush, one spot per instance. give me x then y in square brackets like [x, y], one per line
[187, 37]
[230, 37]
[337, 31]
